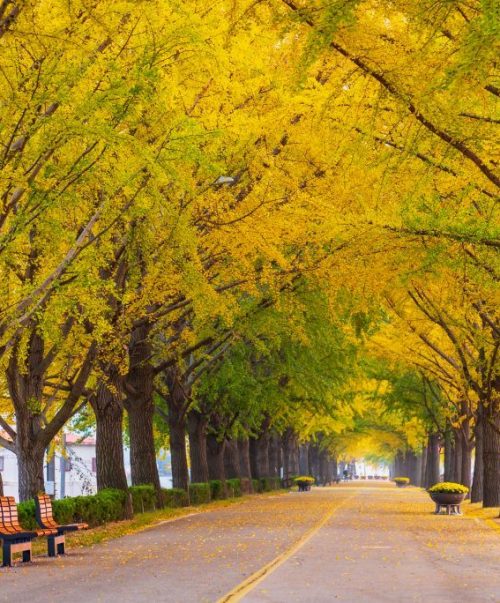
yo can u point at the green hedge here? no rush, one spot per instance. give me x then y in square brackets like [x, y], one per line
[233, 487]
[217, 489]
[109, 505]
[199, 493]
[143, 498]
[175, 497]
[106, 505]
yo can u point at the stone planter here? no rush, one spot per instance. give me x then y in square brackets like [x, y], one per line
[449, 501]
[304, 486]
[401, 485]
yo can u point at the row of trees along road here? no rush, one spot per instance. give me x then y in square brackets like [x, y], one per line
[257, 224]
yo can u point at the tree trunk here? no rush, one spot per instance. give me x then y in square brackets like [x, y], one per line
[334, 467]
[466, 463]
[423, 474]
[259, 453]
[491, 456]
[448, 455]
[432, 460]
[314, 462]
[178, 457]
[178, 405]
[418, 476]
[1, 485]
[411, 466]
[457, 456]
[324, 468]
[140, 407]
[215, 458]
[231, 459]
[274, 447]
[244, 453]
[304, 459]
[107, 405]
[290, 454]
[197, 430]
[477, 481]
[30, 470]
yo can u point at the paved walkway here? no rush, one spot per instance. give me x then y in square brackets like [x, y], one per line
[356, 544]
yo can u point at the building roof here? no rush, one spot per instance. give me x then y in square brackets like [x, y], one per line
[74, 438]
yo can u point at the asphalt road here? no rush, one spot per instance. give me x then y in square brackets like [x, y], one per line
[352, 543]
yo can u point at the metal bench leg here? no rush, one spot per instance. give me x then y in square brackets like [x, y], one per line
[27, 556]
[61, 548]
[7, 555]
[51, 546]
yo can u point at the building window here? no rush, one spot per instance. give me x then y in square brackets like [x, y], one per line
[94, 465]
[51, 469]
[2, 463]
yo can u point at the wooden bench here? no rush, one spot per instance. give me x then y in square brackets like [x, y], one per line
[45, 519]
[14, 538]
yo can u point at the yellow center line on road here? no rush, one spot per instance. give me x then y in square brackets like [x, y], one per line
[251, 582]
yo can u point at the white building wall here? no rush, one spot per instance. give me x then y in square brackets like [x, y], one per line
[79, 480]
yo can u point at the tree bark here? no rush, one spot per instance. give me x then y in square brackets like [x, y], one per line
[418, 480]
[178, 456]
[231, 459]
[215, 457]
[432, 460]
[491, 455]
[290, 454]
[423, 474]
[259, 451]
[466, 477]
[304, 459]
[140, 407]
[314, 462]
[274, 449]
[457, 456]
[448, 455]
[244, 453]
[30, 471]
[477, 481]
[178, 405]
[1, 485]
[324, 468]
[197, 430]
[107, 405]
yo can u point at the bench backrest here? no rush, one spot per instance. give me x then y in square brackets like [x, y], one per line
[9, 521]
[43, 510]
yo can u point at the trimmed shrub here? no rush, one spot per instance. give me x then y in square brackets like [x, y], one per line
[64, 510]
[276, 483]
[143, 498]
[217, 490]
[233, 487]
[175, 497]
[26, 513]
[256, 485]
[199, 493]
[106, 505]
[265, 484]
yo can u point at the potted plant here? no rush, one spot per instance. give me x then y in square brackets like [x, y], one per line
[304, 482]
[448, 495]
[401, 482]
